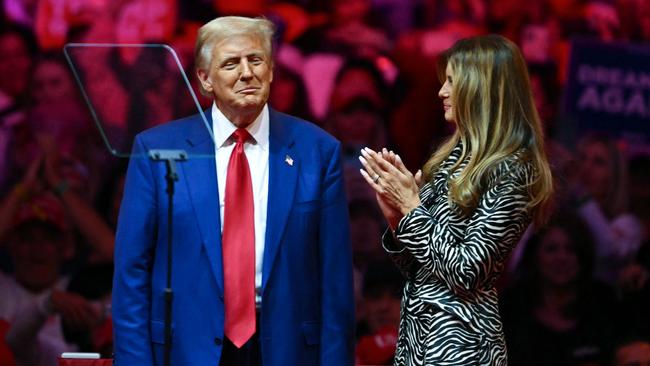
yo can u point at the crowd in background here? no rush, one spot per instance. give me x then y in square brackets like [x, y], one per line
[575, 292]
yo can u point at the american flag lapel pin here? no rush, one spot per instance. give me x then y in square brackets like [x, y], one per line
[288, 160]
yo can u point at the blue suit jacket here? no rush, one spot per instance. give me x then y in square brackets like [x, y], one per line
[307, 313]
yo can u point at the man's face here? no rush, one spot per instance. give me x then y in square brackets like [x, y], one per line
[239, 76]
[36, 255]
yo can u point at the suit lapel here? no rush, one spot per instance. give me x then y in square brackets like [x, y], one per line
[283, 174]
[204, 192]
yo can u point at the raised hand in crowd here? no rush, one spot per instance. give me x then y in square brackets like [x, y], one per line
[77, 313]
[85, 218]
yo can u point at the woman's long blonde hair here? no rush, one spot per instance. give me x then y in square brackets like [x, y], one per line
[495, 116]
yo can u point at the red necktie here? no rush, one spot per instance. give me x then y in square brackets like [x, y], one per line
[238, 242]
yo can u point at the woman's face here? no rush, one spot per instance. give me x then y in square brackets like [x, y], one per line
[556, 259]
[446, 93]
[595, 169]
[52, 83]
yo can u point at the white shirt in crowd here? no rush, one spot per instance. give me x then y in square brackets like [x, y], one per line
[21, 308]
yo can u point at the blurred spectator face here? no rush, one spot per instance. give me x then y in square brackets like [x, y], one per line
[564, 8]
[634, 354]
[36, 250]
[357, 124]
[350, 10]
[456, 8]
[446, 94]
[356, 187]
[59, 125]
[382, 287]
[355, 109]
[352, 84]
[595, 169]
[535, 43]
[240, 75]
[14, 65]
[51, 82]
[502, 10]
[365, 235]
[556, 259]
[382, 308]
[603, 19]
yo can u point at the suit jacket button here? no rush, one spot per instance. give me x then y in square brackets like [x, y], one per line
[218, 341]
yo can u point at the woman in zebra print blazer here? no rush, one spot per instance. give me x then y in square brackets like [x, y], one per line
[483, 187]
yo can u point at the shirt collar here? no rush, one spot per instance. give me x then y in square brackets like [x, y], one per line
[223, 128]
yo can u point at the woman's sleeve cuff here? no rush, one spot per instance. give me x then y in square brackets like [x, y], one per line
[405, 221]
[390, 244]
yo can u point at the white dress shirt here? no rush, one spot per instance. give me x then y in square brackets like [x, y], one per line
[257, 154]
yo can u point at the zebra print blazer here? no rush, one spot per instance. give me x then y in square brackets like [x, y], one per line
[452, 261]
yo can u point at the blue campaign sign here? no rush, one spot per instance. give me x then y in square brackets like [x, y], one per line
[608, 87]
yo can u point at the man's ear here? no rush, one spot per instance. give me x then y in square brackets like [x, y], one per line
[204, 80]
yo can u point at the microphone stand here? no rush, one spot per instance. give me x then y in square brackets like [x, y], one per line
[170, 157]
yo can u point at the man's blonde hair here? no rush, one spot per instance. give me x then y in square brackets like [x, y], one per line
[231, 26]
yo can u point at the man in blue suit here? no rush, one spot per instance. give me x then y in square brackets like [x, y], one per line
[262, 270]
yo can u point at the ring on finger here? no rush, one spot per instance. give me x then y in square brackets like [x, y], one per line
[375, 179]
